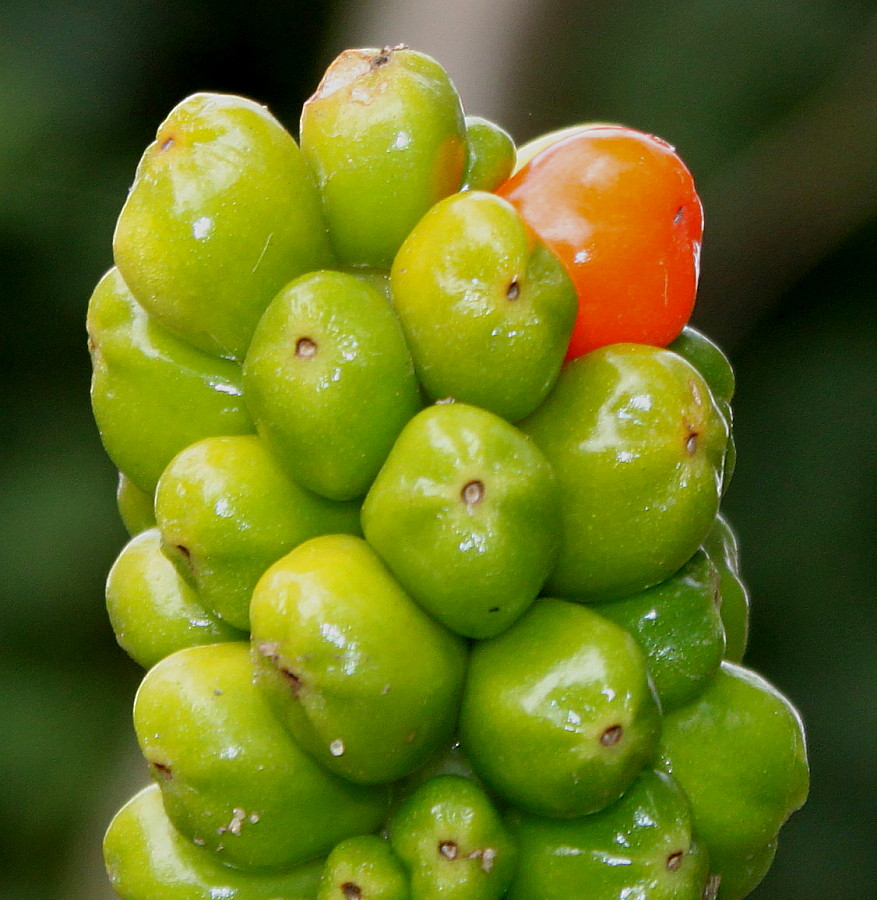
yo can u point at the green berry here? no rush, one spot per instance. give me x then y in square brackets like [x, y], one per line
[721, 545]
[559, 712]
[221, 215]
[464, 513]
[366, 681]
[486, 308]
[135, 506]
[638, 446]
[232, 779]
[363, 868]
[330, 383]
[385, 137]
[490, 155]
[227, 510]
[739, 753]
[153, 611]
[708, 359]
[148, 859]
[643, 846]
[453, 842]
[153, 394]
[678, 625]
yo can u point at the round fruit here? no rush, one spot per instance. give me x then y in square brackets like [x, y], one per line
[385, 138]
[329, 382]
[490, 155]
[232, 779]
[153, 394]
[465, 514]
[739, 753]
[641, 847]
[487, 310]
[453, 842]
[365, 680]
[221, 215]
[153, 611]
[621, 211]
[638, 446]
[559, 713]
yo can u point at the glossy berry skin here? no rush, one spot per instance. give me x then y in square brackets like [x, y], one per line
[465, 513]
[490, 155]
[148, 859]
[367, 683]
[152, 393]
[739, 753]
[621, 210]
[638, 446]
[364, 868]
[226, 510]
[486, 308]
[135, 506]
[221, 215]
[453, 842]
[330, 383]
[232, 778]
[559, 712]
[642, 846]
[385, 138]
[721, 546]
[153, 611]
[678, 625]
[707, 357]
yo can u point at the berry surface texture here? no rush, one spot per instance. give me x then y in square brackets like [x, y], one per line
[423, 468]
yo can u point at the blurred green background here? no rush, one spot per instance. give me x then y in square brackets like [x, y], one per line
[774, 107]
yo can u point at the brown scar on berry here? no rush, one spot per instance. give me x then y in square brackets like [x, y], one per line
[691, 442]
[448, 849]
[514, 289]
[611, 736]
[674, 860]
[680, 215]
[351, 891]
[473, 493]
[163, 770]
[305, 348]
[270, 650]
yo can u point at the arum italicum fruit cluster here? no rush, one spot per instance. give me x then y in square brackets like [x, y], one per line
[423, 469]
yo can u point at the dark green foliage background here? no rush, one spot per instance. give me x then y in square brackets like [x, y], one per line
[773, 107]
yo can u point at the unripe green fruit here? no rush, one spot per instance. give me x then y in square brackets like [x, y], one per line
[366, 681]
[453, 842]
[364, 868]
[135, 506]
[464, 512]
[490, 155]
[638, 446]
[153, 611]
[329, 382]
[227, 510]
[678, 625]
[153, 394]
[708, 358]
[642, 846]
[559, 712]
[739, 753]
[232, 778]
[221, 215]
[721, 546]
[487, 309]
[385, 137]
[148, 859]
